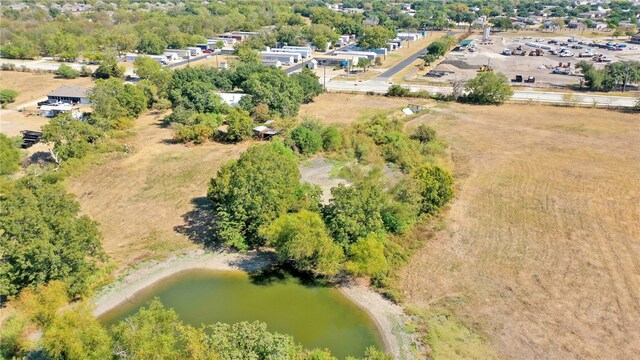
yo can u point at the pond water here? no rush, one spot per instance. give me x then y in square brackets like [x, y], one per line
[317, 317]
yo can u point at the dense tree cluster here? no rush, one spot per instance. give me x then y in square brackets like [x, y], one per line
[618, 75]
[9, 154]
[259, 199]
[43, 238]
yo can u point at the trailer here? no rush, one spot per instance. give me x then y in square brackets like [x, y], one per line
[305, 51]
[296, 56]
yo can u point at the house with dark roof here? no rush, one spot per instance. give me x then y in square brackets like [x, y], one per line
[70, 95]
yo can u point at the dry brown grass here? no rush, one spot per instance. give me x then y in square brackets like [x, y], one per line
[335, 108]
[151, 203]
[542, 250]
[32, 87]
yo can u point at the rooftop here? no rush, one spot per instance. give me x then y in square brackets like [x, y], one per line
[70, 91]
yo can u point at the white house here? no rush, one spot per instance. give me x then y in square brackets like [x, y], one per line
[171, 56]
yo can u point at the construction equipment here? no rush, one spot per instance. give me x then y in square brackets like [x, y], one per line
[517, 79]
[485, 68]
[530, 79]
[536, 52]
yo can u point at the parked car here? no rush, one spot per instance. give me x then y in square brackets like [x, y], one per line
[207, 51]
[576, 47]
[552, 42]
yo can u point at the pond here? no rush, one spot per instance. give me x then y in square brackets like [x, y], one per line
[317, 317]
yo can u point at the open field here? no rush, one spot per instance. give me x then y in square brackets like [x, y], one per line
[152, 203]
[335, 108]
[541, 251]
[32, 87]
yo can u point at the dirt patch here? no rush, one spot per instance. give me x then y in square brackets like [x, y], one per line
[320, 171]
[153, 202]
[542, 244]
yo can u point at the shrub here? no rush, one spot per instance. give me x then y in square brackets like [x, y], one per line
[488, 88]
[240, 125]
[306, 141]
[67, 72]
[7, 96]
[331, 138]
[436, 187]
[424, 133]
[398, 91]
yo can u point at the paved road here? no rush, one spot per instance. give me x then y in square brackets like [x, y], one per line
[380, 87]
[295, 67]
[403, 64]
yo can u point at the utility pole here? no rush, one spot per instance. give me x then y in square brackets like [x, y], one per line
[325, 76]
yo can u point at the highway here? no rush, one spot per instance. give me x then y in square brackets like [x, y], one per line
[380, 87]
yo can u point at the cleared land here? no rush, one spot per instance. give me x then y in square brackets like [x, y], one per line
[153, 202]
[541, 251]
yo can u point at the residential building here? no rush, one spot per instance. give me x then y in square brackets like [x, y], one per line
[70, 95]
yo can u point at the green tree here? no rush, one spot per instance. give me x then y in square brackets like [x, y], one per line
[67, 72]
[71, 138]
[77, 334]
[43, 238]
[309, 83]
[374, 37]
[355, 211]
[274, 88]
[9, 155]
[112, 99]
[151, 43]
[428, 59]
[40, 304]
[109, 69]
[306, 140]
[366, 257]
[7, 96]
[146, 67]
[436, 187]
[151, 333]
[302, 239]
[437, 49]
[240, 125]
[261, 185]
[488, 88]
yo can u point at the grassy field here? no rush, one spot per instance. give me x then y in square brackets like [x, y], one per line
[541, 249]
[152, 203]
[333, 108]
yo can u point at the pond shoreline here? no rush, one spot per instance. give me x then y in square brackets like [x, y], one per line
[388, 317]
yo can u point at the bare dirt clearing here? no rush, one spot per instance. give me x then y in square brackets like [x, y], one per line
[152, 203]
[542, 249]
